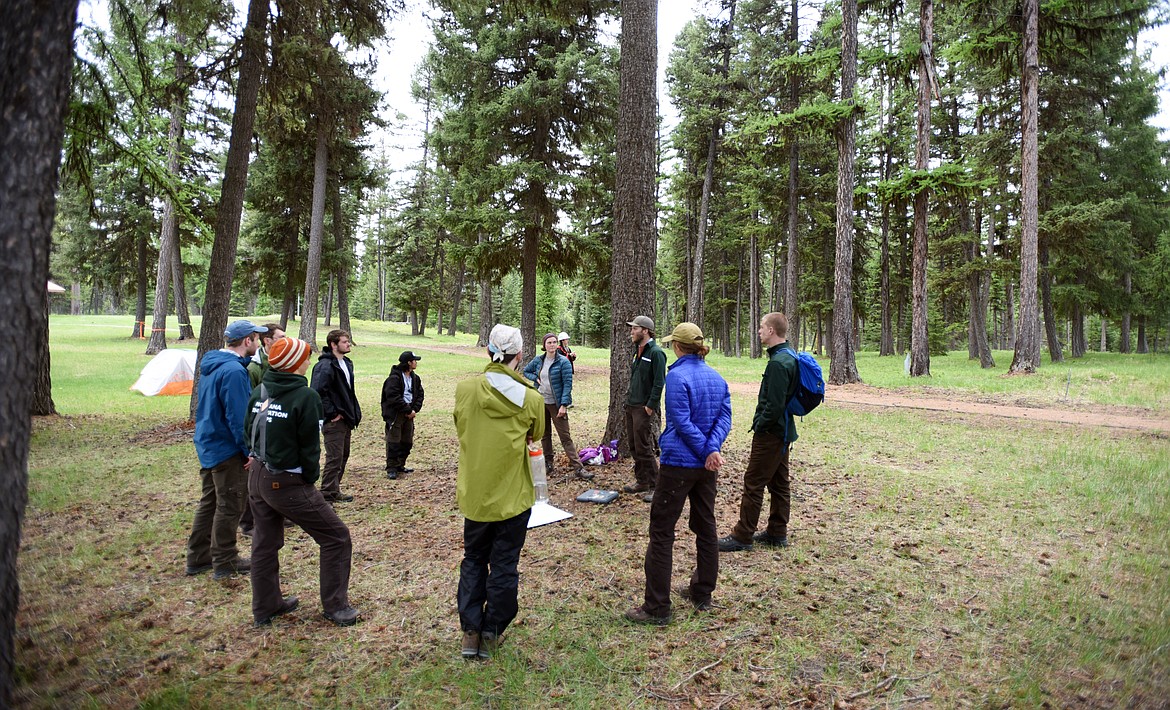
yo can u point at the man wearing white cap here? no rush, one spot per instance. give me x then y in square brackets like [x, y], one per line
[224, 389]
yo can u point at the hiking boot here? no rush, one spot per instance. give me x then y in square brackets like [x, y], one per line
[240, 565]
[193, 570]
[763, 538]
[639, 615]
[730, 544]
[246, 532]
[289, 604]
[489, 645]
[344, 617]
[339, 498]
[636, 487]
[649, 497]
[392, 474]
[583, 474]
[685, 593]
[404, 469]
[470, 644]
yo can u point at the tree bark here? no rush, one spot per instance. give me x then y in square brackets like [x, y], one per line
[843, 366]
[457, 299]
[36, 44]
[222, 269]
[485, 313]
[1077, 343]
[141, 282]
[1104, 340]
[169, 236]
[1124, 345]
[754, 295]
[1143, 347]
[919, 338]
[792, 275]
[634, 208]
[308, 331]
[1056, 354]
[179, 286]
[1027, 350]
[42, 401]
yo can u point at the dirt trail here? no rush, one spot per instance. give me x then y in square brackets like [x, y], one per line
[864, 396]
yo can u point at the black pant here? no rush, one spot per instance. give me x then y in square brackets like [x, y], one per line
[675, 487]
[276, 495]
[767, 469]
[399, 441]
[488, 576]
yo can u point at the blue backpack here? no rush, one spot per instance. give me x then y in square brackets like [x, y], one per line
[810, 386]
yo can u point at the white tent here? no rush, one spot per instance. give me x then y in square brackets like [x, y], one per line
[170, 372]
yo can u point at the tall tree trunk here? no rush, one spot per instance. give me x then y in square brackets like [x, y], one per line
[179, 287]
[1077, 340]
[792, 275]
[1027, 351]
[886, 342]
[308, 331]
[843, 366]
[42, 399]
[1009, 314]
[739, 310]
[169, 237]
[329, 301]
[36, 44]
[341, 274]
[1054, 350]
[634, 210]
[141, 283]
[1143, 347]
[485, 313]
[919, 338]
[457, 297]
[977, 345]
[695, 297]
[222, 269]
[754, 295]
[75, 297]
[1124, 345]
[1104, 340]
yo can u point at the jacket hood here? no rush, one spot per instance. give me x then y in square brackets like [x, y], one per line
[216, 359]
[280, 383]
[326, 354]
[489, 397]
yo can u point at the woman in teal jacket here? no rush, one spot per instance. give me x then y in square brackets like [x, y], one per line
[552, 373]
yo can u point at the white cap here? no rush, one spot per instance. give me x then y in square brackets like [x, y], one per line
[562, 335]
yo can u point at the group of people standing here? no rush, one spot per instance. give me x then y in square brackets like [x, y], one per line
[259, 427]
[257, 413]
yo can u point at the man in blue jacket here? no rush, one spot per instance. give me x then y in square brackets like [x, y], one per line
[223, 394]
[698, 419]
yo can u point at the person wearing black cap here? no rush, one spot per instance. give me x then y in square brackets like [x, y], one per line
[402, 399]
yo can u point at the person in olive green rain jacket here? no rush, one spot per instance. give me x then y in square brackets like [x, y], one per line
[496, 415]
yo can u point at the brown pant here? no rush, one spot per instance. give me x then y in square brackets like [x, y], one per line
[276, 495]
[213, 532]
[561, 424]
[337, 436]
[399, 441]
[675, 487]
[767, 468]
[642, 430]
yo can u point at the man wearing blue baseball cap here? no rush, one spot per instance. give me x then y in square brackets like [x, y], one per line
[224, 391]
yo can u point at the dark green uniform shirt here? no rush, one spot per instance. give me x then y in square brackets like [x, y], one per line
[647, 377]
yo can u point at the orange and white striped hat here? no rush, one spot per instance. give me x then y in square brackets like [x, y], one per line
[287, 354]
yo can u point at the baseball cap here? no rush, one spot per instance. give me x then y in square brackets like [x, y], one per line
[642, 322]
[242, 329]
[684, 332]
[408, 355]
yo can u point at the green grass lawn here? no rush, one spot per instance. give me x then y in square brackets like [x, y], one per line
[939, 560]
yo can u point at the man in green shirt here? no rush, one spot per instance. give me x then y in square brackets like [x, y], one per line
[496, 415]
[644, 406]
[773, 433]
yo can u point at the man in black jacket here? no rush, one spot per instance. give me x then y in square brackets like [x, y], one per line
[333, 380]
[402, 398]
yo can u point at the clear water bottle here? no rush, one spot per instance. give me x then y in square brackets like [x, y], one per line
[539, 479]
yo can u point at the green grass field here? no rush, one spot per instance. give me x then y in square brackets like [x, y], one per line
[938, 560]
